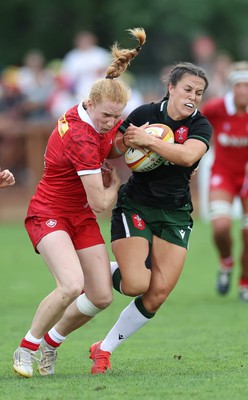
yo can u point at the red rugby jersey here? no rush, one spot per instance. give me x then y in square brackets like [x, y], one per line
[230, 134]
[74, 148]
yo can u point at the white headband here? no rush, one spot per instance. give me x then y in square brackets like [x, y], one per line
[238, 76]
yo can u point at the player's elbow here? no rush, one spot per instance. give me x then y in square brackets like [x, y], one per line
[188, 160]
[188, 163]
[97, 206]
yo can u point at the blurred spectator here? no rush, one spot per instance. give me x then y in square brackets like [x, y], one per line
[136, 98]
[215, 62]
[218, 85]
[24, 113]
[36, 84]
[85, 63]
[62, 97]
[10, 96]
[11, 100]
[203, 52]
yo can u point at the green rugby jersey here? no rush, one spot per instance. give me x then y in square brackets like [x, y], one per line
[168, 185]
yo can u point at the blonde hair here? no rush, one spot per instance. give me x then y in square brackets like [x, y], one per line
[115, 89]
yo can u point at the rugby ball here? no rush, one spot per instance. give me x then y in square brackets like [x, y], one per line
[140, 162]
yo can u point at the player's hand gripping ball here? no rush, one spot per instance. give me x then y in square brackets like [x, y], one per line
[140, 162]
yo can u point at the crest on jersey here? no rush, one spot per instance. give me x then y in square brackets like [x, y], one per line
[181, 134]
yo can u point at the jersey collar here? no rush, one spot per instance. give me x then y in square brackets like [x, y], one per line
[229, 104]
[163, 108]
[84, 116]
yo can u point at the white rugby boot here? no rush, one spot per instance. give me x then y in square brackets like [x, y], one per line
[47, 360]
[23, 361]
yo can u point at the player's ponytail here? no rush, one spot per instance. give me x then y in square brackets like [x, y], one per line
[123, 57]
[115, 89]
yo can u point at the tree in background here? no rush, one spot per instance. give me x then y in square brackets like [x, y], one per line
[171, 26]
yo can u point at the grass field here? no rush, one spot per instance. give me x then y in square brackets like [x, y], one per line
[195, 348]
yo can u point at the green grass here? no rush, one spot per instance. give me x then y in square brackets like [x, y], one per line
[195, 348]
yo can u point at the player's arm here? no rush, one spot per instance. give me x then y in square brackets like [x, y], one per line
[118, 147]
[185, 154]
[99, 196]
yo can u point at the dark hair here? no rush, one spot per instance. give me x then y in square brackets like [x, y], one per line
[182, 68]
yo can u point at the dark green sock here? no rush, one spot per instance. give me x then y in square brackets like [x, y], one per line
[139, 304]
[116, 278]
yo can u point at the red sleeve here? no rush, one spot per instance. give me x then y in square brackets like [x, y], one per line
[212, 107]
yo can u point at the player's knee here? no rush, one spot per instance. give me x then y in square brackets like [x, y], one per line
[134, 288]
[103, 301]
[222, 226]
[100, 302]
[71, 291]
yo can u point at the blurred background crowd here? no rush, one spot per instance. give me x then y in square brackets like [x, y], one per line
[37, 86]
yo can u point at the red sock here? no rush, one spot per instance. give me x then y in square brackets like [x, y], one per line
[227, 262]
[243, 282]
[50, 341]
[29, 345]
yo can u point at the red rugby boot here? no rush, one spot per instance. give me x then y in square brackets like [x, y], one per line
[101, 359]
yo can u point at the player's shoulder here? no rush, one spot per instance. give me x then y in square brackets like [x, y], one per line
[76, 128]
[146, 112]
[200, 118]
[201, 127]
[147, 107]
[72, 113]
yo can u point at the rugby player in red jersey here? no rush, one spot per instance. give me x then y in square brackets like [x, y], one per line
[61, 220]
[229, 174]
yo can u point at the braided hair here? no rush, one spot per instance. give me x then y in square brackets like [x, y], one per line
[115, 89]
[123, 57]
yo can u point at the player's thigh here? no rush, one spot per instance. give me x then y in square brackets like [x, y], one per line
[96, 267]
[167, 263]
[60, 256]
[131, 254]
[220, 194]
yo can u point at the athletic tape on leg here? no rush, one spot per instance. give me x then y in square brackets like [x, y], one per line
[220, 208]
[86, 307]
